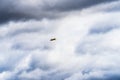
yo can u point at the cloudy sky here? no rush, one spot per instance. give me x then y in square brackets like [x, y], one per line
[87, 45]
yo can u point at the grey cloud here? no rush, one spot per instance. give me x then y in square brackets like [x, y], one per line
[21, 57]
[67, 5]
[108, 78]
[67, 76]
[112, 7]
[23, 47]
[110, 75]
[41, 30]
[6, 16]
[8, 13]
[23, 31]
[58, 76]
[49, 75]
[102, 30]
[10, 10]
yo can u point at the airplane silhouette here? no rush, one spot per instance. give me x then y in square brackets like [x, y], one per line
[52, 39]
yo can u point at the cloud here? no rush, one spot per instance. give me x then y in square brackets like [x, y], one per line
[86, 48]
[76, 54]
[106, 7]
[38, 9]
[73, 5]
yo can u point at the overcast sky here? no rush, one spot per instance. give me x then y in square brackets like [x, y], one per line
[87, 45]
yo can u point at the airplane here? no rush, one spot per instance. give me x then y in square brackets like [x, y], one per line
[52, 39]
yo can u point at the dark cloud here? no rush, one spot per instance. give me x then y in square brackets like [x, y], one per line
[10, 10]
[110, 77]
[68, 5]
[6, 16]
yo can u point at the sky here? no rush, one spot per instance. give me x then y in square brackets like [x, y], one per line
[87, 45]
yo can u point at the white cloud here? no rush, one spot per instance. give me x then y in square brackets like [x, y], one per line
[87, 47]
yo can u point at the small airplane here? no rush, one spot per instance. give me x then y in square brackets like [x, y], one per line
[52, 39]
